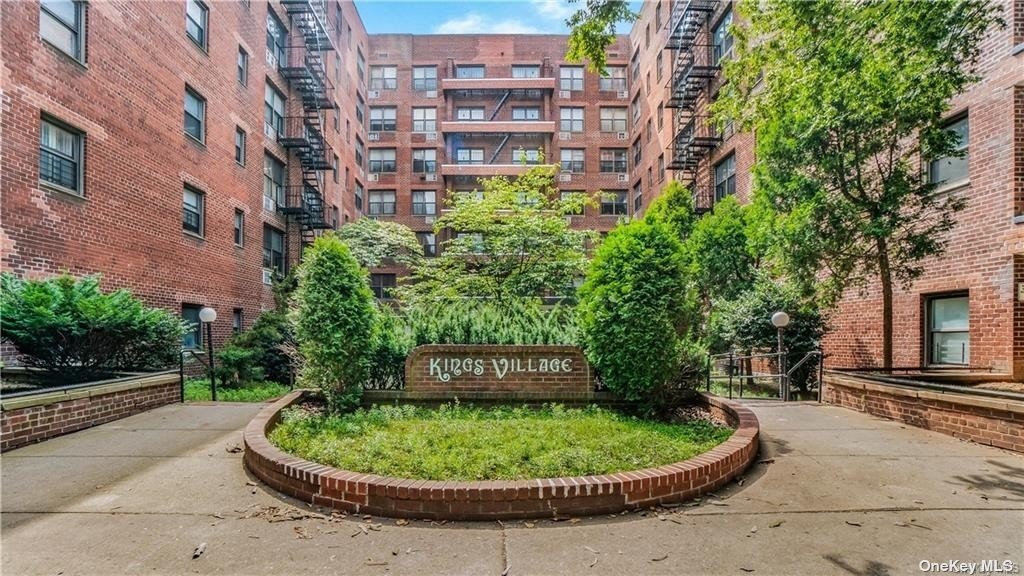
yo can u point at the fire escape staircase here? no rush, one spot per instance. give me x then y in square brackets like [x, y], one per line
[692, 144]
[304, 69]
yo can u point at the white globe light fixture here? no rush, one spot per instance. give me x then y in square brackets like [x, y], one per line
[208, 315]
[779, 319]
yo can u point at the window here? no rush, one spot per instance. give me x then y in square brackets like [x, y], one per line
[657, 16]
[239, 228]
[634, 108]
[952, 170]
[613, 160]
[647, 36]
[522, 156]
[359, 196]
[273, 112]
[469, 113]
[634, 65]
[334, 217]
[571, 78]
[239, 146]
[236, 320]
[721, 41]
[337, 119]
[520, 113]
[725, 177]
[243, 66]
[424, 203]
[429, 243]
[273, 250]
[638, 197]
[383, 77]
[381, 284]
[382, 118]
[572, 120]
[359, 152]
[661, 116]
[334, 168]
[382, 202]
[661, 168]
[521, 71]
[60, 156]
[613, 119]
[565, 195]
[424, 119]
[193, 337]
[360, 109]
[273, 179]
[572, 159]
[424, 161]
[615, 81]
[637, 152]
[424, 77]
[62, 23]
[658, 65]
[277, 38]
[469, 71]
[195, 115]
[192, 211]
[613, 203]
[949, 340]
[195, 21]
[360, 66]
[382, 160]
[649, 132]
[469, 156]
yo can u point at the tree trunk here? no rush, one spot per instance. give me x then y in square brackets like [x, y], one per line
[885, 274]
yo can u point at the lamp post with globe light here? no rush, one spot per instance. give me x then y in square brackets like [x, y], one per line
[207, 316]
[780, 320]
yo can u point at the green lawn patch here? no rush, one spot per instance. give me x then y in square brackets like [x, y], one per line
[199, 390]
[501, 443]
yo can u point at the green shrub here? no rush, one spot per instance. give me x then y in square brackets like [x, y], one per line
[237, 365]
[74, 332]
[335, 317]
[744, 323]
[258, 353]
[391, 344]
[473, 321]
[634, 315]
[198, 390]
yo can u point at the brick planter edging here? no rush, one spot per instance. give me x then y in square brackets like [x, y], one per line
[992, 421]
[356, 492]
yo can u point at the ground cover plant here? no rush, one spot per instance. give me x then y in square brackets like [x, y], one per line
[459, 442]
[198, 390]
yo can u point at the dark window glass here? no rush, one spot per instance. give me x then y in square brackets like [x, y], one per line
[60, 156]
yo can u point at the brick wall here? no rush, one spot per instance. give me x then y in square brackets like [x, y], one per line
[27, 420]
[522, 372]
[991, 421]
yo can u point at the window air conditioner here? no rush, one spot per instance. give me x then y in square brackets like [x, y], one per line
[564, 94]
[430, 177]
[565, 135]
[269, 204]
[623, 135]
[373, 136]
[374, 177]
[268, 276]
[623, 94]
[373, 94]
[623, 177]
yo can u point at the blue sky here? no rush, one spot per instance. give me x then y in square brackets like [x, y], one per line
[479, 17]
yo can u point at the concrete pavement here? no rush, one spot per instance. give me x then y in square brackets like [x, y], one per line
[837, 492]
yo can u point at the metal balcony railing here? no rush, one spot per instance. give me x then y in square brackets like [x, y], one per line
[307, 205]
[688, 17]
[692, 143]
[690, 76]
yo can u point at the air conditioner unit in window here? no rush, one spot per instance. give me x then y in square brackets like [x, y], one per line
[268, 276]
[269, 204]
[431, 93]
[373, 94]
[374, 177]
[565, 177]
[373, 136]
[623, 177]
[430, 177]
[623, 135]
[623, 94]
[428, 219]
[565, 135]
[564, 94]
[430, 136]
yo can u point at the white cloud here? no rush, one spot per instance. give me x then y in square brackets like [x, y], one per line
[554, 9]
[474, 23]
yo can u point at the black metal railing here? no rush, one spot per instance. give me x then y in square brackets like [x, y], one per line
[694, 141]
[58, 170]
[688, 16]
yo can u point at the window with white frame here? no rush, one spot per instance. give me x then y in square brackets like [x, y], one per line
[383, 118]
[424, 202]
[570, 78]
[424, 78]
[725, 177]
[572, 159]
[192, 211]
[571, 119]
[243, 66]
[424, 160]
[382, 202]
[952, 170]
[469, 113]
[424, 119]
[383, 77]
[469, 156]
[196, 19]
[382, 160]
[195, 115]
[469, 71]
[525, 71]
[521, 113]
[614, 79]
[613, 160]
[613, 119]
[273, 179]
[949, 336]
[524, 156]
[273, 112]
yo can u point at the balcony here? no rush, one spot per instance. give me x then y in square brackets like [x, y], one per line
[304, 135]
[485, 127]
[306, 203]
[485, 170]
[688, 17]
[692, 144]
[304, 70]
[690, 76]
[497, 84]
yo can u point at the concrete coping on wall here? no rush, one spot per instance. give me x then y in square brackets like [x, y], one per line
[871, 384]
[45, 397]
[357, 492]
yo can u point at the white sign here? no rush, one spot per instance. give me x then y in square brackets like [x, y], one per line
[444, 369]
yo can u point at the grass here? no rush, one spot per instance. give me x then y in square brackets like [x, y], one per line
[199, 390]
[456, 442]
[750, 389]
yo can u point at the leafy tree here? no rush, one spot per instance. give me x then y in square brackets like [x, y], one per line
[510, 240]
[718, 252]
[74, 332]
[374, 242]
[634, 315]
[335, 316]
[847, 100]
[592, 30]
[674, 207]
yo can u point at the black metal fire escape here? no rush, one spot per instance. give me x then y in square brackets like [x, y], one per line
[303, 66]
[692, 72]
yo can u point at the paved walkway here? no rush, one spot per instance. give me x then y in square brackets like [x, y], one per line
[837, 492]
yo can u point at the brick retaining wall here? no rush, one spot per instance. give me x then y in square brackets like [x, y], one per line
[28, 419]
[991, 421]
[575, 496]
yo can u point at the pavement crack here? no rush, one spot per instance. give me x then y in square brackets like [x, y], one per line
[853, 510]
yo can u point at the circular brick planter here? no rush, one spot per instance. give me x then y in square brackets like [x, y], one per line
[546, 497]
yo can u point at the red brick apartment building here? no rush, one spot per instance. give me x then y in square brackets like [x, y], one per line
[108, 143]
